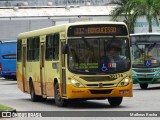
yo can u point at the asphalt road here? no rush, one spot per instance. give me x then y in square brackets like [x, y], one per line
[142, 100]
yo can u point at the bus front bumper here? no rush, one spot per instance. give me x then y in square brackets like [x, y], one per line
[89, 93]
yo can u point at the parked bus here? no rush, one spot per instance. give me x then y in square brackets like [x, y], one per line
[69, 62]
[145, 58]
[8, 59]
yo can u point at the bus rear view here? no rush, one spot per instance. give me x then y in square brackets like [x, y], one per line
[145, 58]
[8, 59]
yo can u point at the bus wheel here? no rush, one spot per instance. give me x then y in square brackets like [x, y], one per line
[143, 85]
[58, 100]
[115, 101]
[34, 97]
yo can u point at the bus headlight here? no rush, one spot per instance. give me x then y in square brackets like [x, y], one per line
[76, 83]
[124, 82]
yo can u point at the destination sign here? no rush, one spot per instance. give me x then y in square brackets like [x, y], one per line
[97, 30]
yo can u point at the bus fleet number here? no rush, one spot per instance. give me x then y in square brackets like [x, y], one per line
[116, 75]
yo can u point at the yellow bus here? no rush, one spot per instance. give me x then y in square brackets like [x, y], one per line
[72, 62]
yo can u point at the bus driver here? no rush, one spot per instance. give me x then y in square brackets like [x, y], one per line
[113, 58]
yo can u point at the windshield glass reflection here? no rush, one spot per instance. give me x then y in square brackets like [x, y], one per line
[95, 55]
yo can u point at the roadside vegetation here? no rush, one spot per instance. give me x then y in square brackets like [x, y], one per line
[132, 9]
[5, 108]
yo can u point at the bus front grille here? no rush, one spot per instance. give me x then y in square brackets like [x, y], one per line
[145, 79]
[145, 75]
[98, 78]
[144, 70]
[97, 85]
[101, 91]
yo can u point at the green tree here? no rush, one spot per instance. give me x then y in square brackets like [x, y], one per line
[149, 9]
[124, 8]
[132, 9]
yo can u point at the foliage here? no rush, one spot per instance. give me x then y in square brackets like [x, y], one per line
[132, 9]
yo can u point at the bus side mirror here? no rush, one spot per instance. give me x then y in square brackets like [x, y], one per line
[64, 48]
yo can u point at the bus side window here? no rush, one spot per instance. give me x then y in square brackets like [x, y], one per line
[36, 48]
[19, 50]
[56, 47]
[30, 49]
[52, 47]
[48, 47]
[33, 49]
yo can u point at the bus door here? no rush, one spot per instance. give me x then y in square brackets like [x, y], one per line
[43, 84]
[25, 88]
[63, 75]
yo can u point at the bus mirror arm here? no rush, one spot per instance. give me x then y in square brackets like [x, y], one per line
[65, 49]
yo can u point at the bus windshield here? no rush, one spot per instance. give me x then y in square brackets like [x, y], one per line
[145, 51]
[98, 55]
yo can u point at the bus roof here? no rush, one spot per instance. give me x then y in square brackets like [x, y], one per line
[154, 33]
[11, 41]
[60, 28]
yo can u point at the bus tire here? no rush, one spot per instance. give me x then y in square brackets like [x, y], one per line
[34, 97]
[115, 101]
[143, 85]
[58, 100]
